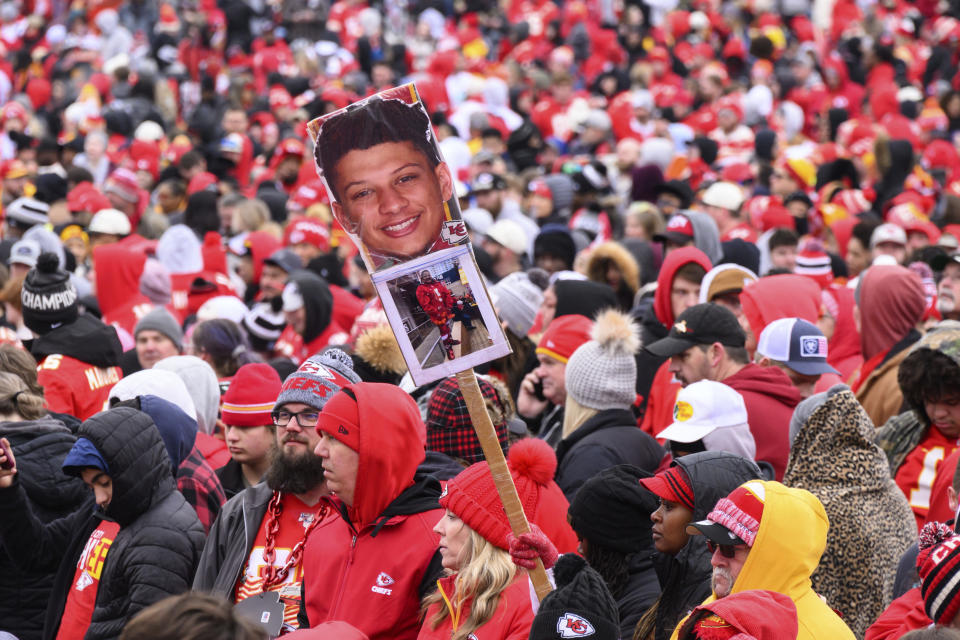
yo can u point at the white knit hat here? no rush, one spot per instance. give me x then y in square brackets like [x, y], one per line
[517, 300]
[602, 373]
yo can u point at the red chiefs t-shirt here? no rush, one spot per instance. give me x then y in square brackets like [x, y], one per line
[295, 516]
[75, 387]
[86, 581]
[919, 470]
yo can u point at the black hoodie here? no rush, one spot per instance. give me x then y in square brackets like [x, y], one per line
[86, 339]
[317, 302]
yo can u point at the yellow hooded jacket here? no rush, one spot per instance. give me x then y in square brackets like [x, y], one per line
[791, 539]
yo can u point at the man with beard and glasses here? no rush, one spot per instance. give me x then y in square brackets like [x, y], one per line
[256, 545]
[768, 536]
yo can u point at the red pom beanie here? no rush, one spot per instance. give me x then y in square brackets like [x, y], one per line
[249, 400]
[473, 497]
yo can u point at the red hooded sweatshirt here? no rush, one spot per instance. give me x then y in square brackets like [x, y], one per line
[365, 565]
[783, 296]
[757, 614]
[118, 270]
[843, 352]
[261, 245]
[770, 398]
[904, 614]
[663, 390]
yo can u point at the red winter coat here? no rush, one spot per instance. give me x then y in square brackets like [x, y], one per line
[511, 620]
[904, 614]
[437, 301]
[770, 398]
[373, 581]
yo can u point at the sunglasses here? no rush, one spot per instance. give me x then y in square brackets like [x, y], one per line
[726, 550]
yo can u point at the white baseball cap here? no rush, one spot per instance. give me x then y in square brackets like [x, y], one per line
[110, 222]
[888, 232]
[509, 234]
[715, 413]
[724, 195]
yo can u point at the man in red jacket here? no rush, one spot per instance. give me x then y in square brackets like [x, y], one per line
[707, 343]
[439, 304]
[371, 566]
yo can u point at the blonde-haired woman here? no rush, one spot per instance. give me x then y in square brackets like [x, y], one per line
[484, 594]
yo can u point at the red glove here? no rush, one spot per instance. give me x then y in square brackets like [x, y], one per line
[525, 550]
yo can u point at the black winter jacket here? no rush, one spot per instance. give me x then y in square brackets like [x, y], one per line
[160, 539]
[685, 577]
[39, 447]
[639, 594]
[607, 439]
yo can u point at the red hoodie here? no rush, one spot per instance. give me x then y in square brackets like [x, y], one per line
[261, 245]
[117, 271]
[843, 352]
[375, 562]
[783, 296]
[770, 398]
[663, 390]
[904, 614]
[756, 613]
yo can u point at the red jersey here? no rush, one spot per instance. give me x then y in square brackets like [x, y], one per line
[86, 581]
[295, 517]
[919, 470]
[743, 231]
[75, 387]
[290, 343]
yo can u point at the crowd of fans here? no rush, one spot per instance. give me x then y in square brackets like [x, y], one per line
[723, 239]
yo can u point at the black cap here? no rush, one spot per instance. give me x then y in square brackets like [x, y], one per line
[285, 259]
[678, 188]
[701, 324]
[715, 532]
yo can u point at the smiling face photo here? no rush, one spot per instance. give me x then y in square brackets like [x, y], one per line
[388, 185]
[392, 198]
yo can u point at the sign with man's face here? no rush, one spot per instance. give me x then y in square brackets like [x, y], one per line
[393, 194]
[389, 187]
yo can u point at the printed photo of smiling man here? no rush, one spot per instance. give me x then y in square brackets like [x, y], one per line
[389, 186]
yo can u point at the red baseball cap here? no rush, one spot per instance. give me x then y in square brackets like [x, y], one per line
[671, 484]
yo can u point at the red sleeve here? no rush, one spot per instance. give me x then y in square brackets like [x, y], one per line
[904, 614]
[939, 508]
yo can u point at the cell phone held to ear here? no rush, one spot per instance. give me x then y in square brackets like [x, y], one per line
[538, 391]
[8, 456]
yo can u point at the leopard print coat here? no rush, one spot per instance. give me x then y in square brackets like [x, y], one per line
[871, 524]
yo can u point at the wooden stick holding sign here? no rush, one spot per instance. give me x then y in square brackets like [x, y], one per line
[467, 380]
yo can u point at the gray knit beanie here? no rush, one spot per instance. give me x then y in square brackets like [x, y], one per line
[517, 300]
[602, 373]
[317, 379]
[163, 321]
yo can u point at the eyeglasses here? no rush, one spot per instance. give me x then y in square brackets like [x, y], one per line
[726, 550]
[305, 419]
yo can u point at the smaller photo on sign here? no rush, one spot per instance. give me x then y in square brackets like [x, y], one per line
[441, 314]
